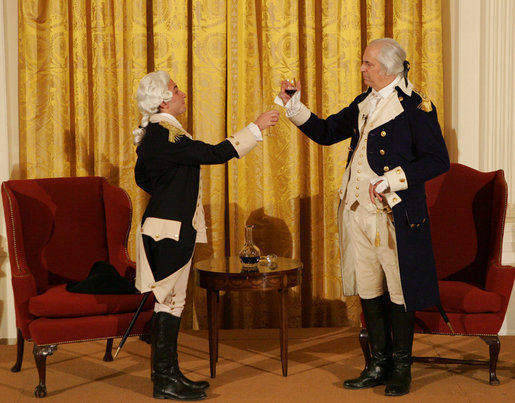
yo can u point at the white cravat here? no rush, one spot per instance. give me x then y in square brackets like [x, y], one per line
[383, 93]
[374, 101]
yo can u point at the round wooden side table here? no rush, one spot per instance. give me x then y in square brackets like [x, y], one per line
[226, 274]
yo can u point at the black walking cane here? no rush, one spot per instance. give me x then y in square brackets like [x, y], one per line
[133, 321]
[444, 316]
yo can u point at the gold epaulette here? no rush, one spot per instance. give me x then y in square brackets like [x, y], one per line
[425, 105]
[174, 133]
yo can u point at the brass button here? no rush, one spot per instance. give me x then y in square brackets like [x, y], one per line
[412, 225]
[359, 162]
[381, 152]
[237, 143]
[365, 140]
[418, 225]
[357, 194]
[402, 180]
[383, 133]
[156, 236]
[359, 171]
[401, 99]
[395, 199]
[386, 169]
[357, 179]
[152, 286]
[176, 235]
[398, 171]
[357, 187]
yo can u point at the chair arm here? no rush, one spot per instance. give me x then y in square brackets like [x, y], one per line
[24, 288]
[500, 279]
[118, 214]
[126, 266]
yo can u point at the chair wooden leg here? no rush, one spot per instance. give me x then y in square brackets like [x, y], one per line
[108, 356]
[494, 345]
[20, 344]
[363, 341]
[40, 354]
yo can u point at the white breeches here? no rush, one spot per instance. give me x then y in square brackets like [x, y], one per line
[376, 266]
[174, 302]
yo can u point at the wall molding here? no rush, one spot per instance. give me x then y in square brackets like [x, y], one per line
[497, 87]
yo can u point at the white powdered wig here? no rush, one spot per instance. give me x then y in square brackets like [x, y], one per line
[152, 90]
[391, 56]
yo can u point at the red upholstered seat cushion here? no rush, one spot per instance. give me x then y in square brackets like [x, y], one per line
[460, 297]
[59, 303]
[65, 330]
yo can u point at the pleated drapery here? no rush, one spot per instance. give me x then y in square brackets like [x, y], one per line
[79, 66]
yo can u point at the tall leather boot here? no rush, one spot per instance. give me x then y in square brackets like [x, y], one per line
[196, 385]
[167, 383]
[403, 324]
[379, 338]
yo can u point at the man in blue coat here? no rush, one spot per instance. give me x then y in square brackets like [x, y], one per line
[168, 168]
[385, 241]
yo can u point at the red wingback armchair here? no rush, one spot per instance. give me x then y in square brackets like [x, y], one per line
[56, 230]
[467, 211]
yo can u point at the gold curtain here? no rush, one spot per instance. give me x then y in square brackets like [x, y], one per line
[80, 62]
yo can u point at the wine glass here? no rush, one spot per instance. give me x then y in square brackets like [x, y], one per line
[292, 88]
[268, 131]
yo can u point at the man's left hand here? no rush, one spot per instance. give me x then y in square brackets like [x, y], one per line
[374, 194]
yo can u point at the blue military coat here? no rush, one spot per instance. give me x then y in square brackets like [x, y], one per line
[413, 141]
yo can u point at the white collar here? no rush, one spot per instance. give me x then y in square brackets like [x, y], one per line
[386, 91]
[172, 118]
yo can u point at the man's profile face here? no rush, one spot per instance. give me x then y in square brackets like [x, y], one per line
[177, 104]
[373, 76]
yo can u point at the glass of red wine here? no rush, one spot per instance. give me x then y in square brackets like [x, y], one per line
[292, 88]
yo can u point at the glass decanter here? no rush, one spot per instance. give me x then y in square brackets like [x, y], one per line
[249, 255]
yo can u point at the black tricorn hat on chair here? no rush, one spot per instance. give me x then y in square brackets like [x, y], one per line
[103, 278]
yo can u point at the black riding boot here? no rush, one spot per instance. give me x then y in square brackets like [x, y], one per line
[167, 382]
[376, 320]
[195, 385]
[403, 324]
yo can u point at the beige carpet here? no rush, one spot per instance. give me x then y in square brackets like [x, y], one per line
[249, 370]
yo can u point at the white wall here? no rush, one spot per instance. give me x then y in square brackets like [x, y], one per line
[479, 61]
[9, 156]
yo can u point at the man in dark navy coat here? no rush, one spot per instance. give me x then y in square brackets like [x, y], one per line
[385, 242]
[168, 168]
